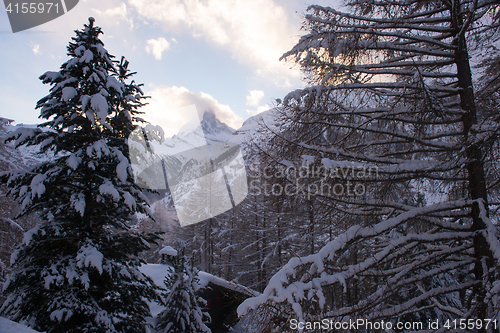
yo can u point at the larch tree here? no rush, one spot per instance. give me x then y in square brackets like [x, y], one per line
[79, 270]
[392, 88]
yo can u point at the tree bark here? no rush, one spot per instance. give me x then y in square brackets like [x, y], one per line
[475, 165]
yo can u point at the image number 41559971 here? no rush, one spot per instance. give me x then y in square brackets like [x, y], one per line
[26, 14]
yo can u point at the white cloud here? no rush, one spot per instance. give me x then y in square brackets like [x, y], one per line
[255, 32]
[165, 104]
[36, 49]
[157, 47]
[120, 12]
[259, 109]
[254, 98]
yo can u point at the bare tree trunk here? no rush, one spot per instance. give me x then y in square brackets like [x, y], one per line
[475, 165]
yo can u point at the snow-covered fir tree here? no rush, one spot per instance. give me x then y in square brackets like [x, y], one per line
[78, 271]
[183, 313]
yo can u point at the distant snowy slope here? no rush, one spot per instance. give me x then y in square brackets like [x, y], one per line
[21, 157]
[190, 135]
[256, 127]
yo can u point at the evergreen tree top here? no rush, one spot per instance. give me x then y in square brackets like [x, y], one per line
[90, 111]
[88, 95]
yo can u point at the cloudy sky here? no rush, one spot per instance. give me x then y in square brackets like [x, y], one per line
[220, 55]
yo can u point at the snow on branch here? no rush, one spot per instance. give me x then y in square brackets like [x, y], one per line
[281, 287]
[491, 231]
[88, 256]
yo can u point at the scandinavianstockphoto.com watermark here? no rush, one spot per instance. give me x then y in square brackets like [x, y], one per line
[330, 178]
[361, 325]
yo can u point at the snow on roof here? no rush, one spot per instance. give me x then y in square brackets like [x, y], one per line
[158, 272]
[8, 326]
[206, 278]
[168, 250]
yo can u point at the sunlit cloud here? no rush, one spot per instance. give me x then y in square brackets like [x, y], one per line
[166, 102]
[157, 47]
[119, 12]
[259, 109]
[256, 33]
[254, 98]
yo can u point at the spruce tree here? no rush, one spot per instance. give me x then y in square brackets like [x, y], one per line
[78, 271]
[183, 313]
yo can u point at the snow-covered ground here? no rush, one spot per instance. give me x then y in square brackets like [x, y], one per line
[8, 326]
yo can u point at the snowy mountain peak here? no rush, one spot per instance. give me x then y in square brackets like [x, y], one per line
[209, 127]
[213, 127]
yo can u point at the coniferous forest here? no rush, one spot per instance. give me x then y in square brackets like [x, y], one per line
[373, 191]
